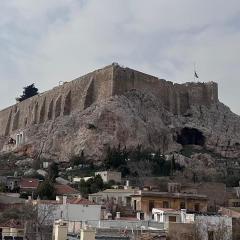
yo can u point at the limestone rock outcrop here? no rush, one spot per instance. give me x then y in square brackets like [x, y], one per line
[131, 119]
[116, 105]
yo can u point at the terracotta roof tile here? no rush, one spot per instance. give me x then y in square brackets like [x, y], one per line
[12, 223]
[81, 201]
[29, 183]
[64, 189]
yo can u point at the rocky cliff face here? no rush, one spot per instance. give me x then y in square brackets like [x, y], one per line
[129, 120]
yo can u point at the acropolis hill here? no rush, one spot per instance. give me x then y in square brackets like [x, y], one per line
[99, 85]
[123, 106]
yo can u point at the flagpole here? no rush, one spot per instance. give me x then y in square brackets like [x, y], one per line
[194, 70]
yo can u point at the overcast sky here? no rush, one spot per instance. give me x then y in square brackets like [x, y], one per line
[47, 41]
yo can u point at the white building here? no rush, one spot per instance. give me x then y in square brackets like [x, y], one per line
[117, 196]
[110, 176]
[71, 210]
[166, 215]
[214, 227]
[78, 179]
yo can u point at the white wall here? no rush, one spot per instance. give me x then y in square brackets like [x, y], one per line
[69, 212]
[214, 223]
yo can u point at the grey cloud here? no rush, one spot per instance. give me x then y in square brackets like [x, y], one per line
[48, 41]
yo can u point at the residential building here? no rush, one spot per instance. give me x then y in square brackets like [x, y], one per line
[110, 176]
[11, 183]
[215, 192]
[7, 202]
[213, 227]
[181, 231]
[65, 190]
[234, 213]
[233, 197]
[28, 186]
[118, 196]
[145, 201]
[166, 215]
[62, 181]
[78, 179]
[60, 229]
[69, 209]
[204, 227]
[12, 229]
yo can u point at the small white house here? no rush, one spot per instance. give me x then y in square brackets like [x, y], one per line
[72, 210]
[110, 175]
[78, 179]
[166, 215]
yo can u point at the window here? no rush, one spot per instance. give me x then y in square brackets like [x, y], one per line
[119, 200]
[172, 219]
[182, 205]
[236, 204]
[135, 205]
[210, 235]
[197, 207]
[165, 204]
[151, 205]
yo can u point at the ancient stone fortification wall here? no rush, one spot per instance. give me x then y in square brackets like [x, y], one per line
[60, 101]
[99, 85]
[176, 98]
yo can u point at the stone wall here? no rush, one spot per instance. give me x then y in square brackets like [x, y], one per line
[61, 100]
[176, 98]
[97, 86]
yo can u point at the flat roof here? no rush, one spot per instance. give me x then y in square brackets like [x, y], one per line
[170, 195]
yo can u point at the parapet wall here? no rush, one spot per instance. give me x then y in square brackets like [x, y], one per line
[176, 98]
[61, 100]
[99, 85]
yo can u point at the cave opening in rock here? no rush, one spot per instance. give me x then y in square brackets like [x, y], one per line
[191, 136]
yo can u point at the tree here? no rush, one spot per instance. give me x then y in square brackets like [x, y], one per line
[2, 187]
[46, 190]
[28, 91]
[37, 219]
[92, 185]
[116, 157]
[53, 171]
[78, 159]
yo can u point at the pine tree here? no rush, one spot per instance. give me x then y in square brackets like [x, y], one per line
[28, 91]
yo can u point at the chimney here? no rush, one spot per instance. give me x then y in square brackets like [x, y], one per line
[60, 229]
[183, 215]
[127, 185]
[88, 234]
[140, 215]
[64, 200]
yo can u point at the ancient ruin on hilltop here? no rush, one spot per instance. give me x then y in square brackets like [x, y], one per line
[116, 106]
[101, 84]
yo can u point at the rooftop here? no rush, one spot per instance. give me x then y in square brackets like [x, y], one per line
[29, 183]
[112, 190]
[169, 194]
[5, 199]
[78, 201]
[12, 223]
[64, 189]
